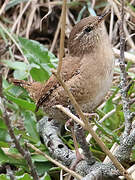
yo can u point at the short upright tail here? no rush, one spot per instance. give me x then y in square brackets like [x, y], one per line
[21, 83]
[34, 88]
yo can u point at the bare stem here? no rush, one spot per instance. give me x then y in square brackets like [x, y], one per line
[2, 9]
[74, 174]
[123, 76]
[62, 37]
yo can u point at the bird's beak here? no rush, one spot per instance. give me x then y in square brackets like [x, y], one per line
[102, 17]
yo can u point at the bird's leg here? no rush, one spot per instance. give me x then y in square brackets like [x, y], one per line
[81, 139]
[79, 136]
[79, 156]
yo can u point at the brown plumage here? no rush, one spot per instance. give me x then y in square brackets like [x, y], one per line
[87, 70]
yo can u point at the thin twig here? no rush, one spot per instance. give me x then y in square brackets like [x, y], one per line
[111, 24]
[14, 41]
[56, 36]
[49, 12]
[129, 39]
[125, 8]
[131, 171]
[116, 10]
[123, 76]
[20, 16]
[62, 37]
[74, 174]
[3, 7]
[19, 22]
[112, 150]
[10, 173]
[31, 17]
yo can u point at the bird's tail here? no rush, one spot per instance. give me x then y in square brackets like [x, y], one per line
[22, 83]
[34, 88]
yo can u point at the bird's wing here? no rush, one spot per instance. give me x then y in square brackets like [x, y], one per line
[41, 91]
[70, 67]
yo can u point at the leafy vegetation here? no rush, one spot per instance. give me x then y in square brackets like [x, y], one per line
[35, 63]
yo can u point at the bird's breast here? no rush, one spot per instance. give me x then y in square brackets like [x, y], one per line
[97, 75]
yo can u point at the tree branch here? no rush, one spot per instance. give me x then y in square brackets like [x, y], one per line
[123, 75]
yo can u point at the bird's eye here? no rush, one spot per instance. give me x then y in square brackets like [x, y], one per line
[88, 29]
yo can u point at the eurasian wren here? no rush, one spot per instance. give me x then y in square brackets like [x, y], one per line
[87, 70]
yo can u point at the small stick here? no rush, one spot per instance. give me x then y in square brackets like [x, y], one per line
[49, 12]
[74, 174]
[14, 41]
[31, 17]
[3, 7]
[62, 37]
[55, 36]
[19, 17]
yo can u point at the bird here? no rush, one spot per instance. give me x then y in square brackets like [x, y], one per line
[87, 70]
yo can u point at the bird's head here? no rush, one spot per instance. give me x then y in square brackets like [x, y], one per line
[86, 35]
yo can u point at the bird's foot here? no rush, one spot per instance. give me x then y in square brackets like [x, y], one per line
[69, 123]
[91, 116]
[79, 157]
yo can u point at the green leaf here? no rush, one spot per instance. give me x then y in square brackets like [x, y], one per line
[3, 36]
[5, 83]
[4, 144]
[4, 177]
[20, 74]
[81, 13]
[0, 111]
[90, 9]
[24, 177]
[107, 131]
[108, 106]
[7, 159]
[43, 167]
[12, 3]
[30, 124]
[21, 68]
[46, 177]
[4, 136]
[25, 136]
[39, 74]
[22, 103]
[16, 65]
[3, 156]
[2, 124]
[38, 158]
[37, 54]
[34, 51]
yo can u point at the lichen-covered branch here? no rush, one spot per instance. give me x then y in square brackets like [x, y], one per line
[123, 75]
[49, 132]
